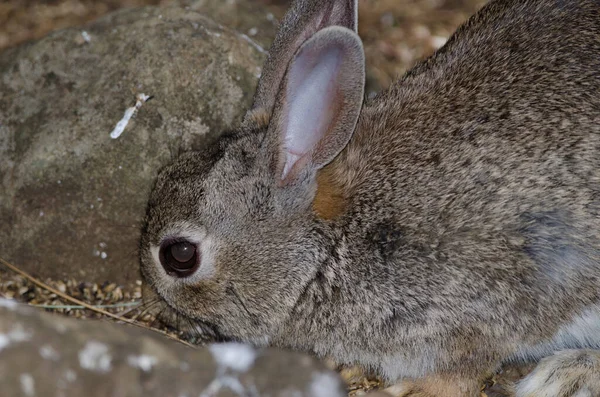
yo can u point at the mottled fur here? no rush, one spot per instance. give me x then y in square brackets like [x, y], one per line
[457, 230]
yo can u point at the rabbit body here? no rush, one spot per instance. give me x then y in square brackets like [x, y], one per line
[449, 225]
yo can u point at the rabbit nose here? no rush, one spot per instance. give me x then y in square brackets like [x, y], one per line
[179, 258]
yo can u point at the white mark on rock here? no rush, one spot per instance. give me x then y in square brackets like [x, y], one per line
[95, 357]
[17, 334]
[184, 366]
[4, 341]
[143, 362]
[49, 353]
[438, 41]
[235, 356]
[70, 376]
[8, 304]
[229, 356]
[27, 385]
[324, 385]
[253, 43]
[227, 382]
[213, 33]
[120, 127]
[60, 328]
[103, 255]
[86, 36]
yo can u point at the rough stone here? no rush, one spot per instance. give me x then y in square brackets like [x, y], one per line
[71, 197]
[48, 355]
[257, 21]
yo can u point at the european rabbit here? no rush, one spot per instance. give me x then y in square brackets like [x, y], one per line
[448, 226]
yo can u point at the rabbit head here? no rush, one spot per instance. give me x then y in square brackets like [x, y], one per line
[230, 240]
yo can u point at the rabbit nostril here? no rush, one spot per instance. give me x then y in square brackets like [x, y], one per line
[179, 258]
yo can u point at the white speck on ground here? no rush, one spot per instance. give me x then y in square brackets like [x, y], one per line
[252, 31]
[122, 124]
[27, 385]
[95, 357]
[49, 353]
[103, 255]
[143, 362]
[235, 356]
[86, 36]
[41, 213]
[324, 385]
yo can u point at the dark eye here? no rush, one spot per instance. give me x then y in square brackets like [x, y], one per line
[179, 258]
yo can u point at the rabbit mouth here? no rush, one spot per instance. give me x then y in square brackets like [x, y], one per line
[210, 331]
[197, 331]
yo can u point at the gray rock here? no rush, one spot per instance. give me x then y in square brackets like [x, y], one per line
[48, 355]
[257, 21]
[71, 198]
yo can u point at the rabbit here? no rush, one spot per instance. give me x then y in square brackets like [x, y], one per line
[431, 234]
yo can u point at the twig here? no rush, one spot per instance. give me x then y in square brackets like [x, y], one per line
[76, 307]
[86, 305]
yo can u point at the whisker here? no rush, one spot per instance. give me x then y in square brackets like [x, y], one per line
[239, 299]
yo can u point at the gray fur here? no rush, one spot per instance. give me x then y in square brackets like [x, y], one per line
[470, 230]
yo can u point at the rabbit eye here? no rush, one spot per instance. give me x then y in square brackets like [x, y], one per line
[179, 258]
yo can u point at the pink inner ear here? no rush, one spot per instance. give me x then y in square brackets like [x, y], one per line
[311, 93]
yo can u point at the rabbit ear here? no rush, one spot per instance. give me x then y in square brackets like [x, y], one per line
[303, 20]
[319, 102]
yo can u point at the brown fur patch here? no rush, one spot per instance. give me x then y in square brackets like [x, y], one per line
[259, 116]
[329, 200]
[436, 386]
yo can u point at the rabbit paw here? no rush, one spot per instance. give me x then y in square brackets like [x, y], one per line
[568, 373]
[435, 386]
